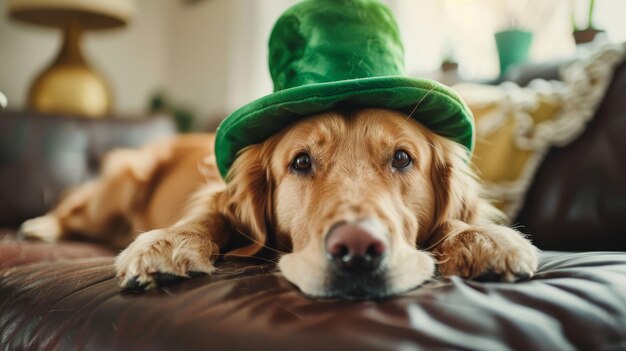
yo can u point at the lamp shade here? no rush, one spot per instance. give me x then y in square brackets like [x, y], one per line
[92, 14]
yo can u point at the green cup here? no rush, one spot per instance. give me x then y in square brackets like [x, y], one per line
[513, 47]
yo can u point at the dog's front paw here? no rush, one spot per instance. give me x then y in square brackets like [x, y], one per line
[46, 228]
[163, 255]
[489, 253]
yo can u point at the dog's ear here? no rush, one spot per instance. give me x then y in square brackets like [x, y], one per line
[247, 199]
[458, 194]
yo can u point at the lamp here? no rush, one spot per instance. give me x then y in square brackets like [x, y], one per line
[69, 85]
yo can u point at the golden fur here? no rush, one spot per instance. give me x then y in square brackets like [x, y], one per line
[431, 212]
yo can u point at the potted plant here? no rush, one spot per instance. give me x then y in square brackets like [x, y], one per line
[587, 34]
[184, 118]
[513, 47]
[449, 62]
[449, 68]
[520, 18]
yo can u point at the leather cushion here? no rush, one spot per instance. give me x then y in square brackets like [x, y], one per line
[41, 155]
[576, 301]
[577, 201]
[15, 253]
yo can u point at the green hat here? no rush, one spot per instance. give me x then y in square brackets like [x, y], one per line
[327, 54]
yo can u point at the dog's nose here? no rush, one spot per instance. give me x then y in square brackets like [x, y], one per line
[353, 249]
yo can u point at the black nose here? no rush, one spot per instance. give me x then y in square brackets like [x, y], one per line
[354, 250]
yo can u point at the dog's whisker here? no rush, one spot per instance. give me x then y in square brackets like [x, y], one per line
[260, 243]
[435, 147]
[432, 88]
[274, 261]
[518, 226]
[435, 244]
[441, 260]
[414, 108]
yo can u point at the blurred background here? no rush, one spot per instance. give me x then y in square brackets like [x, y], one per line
[205, 58]
[545, 80]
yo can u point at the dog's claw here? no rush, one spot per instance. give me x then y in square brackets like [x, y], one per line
[135, 285]
[491, 276]
[162, 279]
[488, 276]
[159, 279]
[522, 276]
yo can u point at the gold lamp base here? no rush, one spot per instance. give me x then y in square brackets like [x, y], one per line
[69, 85]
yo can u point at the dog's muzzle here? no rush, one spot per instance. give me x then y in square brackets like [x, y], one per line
[355, 254]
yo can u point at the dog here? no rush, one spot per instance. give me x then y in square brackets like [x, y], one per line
[360, 204]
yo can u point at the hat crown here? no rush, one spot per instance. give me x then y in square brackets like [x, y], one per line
[318, 41]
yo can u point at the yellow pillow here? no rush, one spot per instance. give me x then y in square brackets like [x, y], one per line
[516, 126]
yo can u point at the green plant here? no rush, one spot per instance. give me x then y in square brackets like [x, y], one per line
[184, 118]
[448, 56]
[524, 15]
[592, 5]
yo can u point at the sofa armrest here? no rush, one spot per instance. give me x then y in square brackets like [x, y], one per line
[40, 155]
[577, 201]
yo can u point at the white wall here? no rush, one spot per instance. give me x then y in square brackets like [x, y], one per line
[24, 51]
[251, 27]
[212, 58]
[610, 16]
[198, 50]
[133, 59]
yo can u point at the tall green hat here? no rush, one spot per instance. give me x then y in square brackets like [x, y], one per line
[327, 54]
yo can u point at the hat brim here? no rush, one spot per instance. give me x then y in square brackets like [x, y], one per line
[439, 108]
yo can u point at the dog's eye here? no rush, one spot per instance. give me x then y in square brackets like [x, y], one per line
[302, 162]
[401, 160]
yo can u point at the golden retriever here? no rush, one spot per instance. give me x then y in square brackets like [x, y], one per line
[361, 204]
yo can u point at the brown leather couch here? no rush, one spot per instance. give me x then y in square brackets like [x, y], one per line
[64, 296]
[41, 155]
